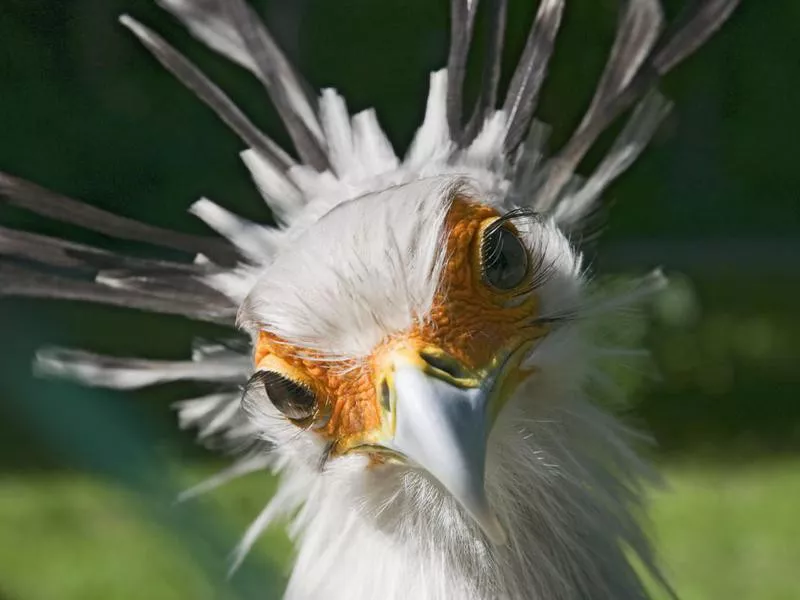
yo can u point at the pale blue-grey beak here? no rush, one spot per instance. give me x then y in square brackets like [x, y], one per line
[441, 424]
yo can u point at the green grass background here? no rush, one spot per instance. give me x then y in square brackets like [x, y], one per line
[723, 532]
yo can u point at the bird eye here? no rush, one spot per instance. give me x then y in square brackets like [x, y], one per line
[295, 401]
[504, 260]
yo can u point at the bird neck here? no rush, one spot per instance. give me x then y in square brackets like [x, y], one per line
[564, 486]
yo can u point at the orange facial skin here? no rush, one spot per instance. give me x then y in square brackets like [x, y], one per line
[468, 320]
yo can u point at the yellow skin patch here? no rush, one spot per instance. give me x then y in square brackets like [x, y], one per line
[469, 321]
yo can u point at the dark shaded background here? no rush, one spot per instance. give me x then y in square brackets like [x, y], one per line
[86, 111]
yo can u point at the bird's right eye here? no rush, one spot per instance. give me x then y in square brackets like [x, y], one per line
[293, 400]
[504, 259]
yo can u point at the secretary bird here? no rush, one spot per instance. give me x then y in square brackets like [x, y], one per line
[421, 350]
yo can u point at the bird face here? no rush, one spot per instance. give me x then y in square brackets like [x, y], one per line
[410, 364]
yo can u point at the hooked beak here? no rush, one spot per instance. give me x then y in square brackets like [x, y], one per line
[442, 414]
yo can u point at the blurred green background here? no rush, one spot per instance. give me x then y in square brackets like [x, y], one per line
[87, 478]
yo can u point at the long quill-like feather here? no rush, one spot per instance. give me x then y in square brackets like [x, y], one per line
[216, 99]
[28, 196]
[278, 78]
[523, 91]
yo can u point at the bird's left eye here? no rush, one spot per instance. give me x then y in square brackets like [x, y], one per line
[295, 401]
[504, 259]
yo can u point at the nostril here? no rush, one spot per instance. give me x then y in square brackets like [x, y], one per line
[444, 363]
[386, 396]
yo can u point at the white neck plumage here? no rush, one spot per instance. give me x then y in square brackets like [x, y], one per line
[564, 485]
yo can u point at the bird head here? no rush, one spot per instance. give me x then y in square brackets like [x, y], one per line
[399, 325]
[413, 322]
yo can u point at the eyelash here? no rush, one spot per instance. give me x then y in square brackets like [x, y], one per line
[517, 214]
[541, 273]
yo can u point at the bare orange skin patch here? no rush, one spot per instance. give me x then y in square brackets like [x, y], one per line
[468, 320]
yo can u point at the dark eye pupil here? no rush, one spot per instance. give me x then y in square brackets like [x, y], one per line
[292, 399]
[504, 258]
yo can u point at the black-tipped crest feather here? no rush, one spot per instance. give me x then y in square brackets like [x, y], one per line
[692, 30]
[28, 196]
[490, 78]
[194, 79]
[19, 282]
[62, 253]
[526, 83]
[462, 23]
[641, 70]
[274, 72]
